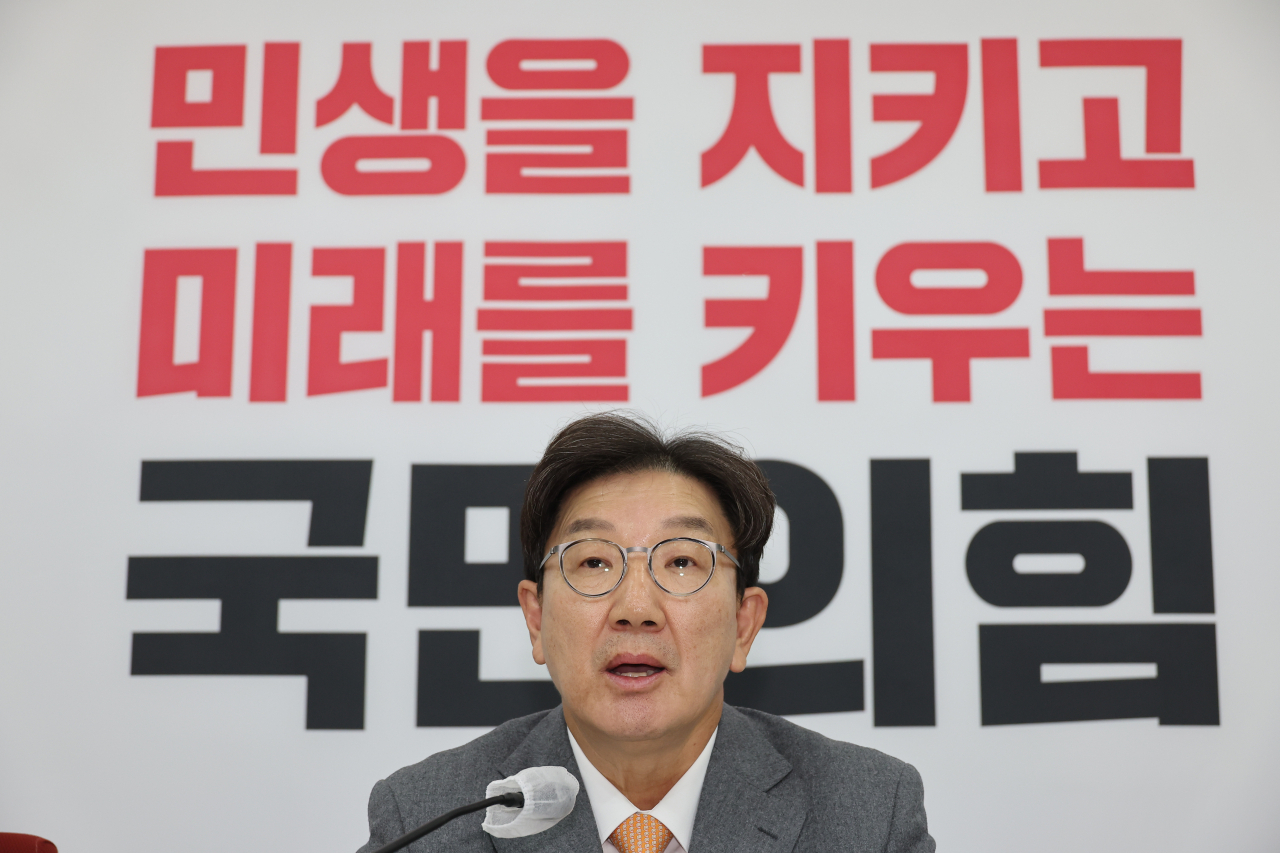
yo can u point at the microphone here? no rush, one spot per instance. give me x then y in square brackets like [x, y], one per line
[532, 801]
[547, 796]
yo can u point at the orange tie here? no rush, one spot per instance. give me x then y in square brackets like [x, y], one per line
[641, 833]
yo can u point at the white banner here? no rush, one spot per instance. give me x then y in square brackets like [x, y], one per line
[297, 292]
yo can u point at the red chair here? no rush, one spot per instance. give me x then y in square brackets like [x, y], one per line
[12, 842]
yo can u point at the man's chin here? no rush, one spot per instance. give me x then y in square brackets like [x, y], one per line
[638, 730]
[639, 717]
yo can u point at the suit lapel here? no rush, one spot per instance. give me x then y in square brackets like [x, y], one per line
[548, 744]
[740, 811]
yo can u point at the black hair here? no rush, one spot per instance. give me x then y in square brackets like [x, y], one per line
[607, 443]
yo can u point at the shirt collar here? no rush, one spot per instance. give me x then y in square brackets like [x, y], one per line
[677, 810]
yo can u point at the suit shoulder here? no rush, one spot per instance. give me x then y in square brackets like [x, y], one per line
[858, 798]
[443, 781]
[474, 758]
[816, 756]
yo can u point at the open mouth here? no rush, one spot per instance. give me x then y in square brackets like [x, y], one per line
[634, 668]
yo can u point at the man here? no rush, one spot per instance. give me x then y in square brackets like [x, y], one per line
[641, 557]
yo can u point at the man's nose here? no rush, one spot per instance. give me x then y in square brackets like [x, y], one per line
[639, 601]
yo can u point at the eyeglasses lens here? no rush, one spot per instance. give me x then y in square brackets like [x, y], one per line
[593, 566]
[680, 566]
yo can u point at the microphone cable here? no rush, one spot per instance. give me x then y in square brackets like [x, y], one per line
[515, 800]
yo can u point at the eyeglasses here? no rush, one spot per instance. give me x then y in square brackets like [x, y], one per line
[595, 567]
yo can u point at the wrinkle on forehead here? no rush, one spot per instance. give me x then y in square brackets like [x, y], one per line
[675, 523]
[685, 506]
[690, 522]
[589, 525]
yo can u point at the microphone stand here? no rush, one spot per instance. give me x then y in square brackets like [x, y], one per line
[515, 800]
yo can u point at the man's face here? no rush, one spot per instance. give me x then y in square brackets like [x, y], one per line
[640, 663]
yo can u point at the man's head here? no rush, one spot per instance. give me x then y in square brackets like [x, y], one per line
[638, 662]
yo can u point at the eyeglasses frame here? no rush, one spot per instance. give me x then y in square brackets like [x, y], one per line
[714, 547]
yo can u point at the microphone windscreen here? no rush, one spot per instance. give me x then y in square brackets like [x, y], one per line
[549, 795]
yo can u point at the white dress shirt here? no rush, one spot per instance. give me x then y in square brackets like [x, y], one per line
[676, 811]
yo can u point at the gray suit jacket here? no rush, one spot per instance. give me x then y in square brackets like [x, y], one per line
[771, 786]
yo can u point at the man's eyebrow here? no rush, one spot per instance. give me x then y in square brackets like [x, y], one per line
[690, 522]
[585, 525]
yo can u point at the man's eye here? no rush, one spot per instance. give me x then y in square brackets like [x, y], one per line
[595, 563]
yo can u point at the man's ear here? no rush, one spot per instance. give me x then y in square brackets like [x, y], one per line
[751, 611]
[531, 606]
